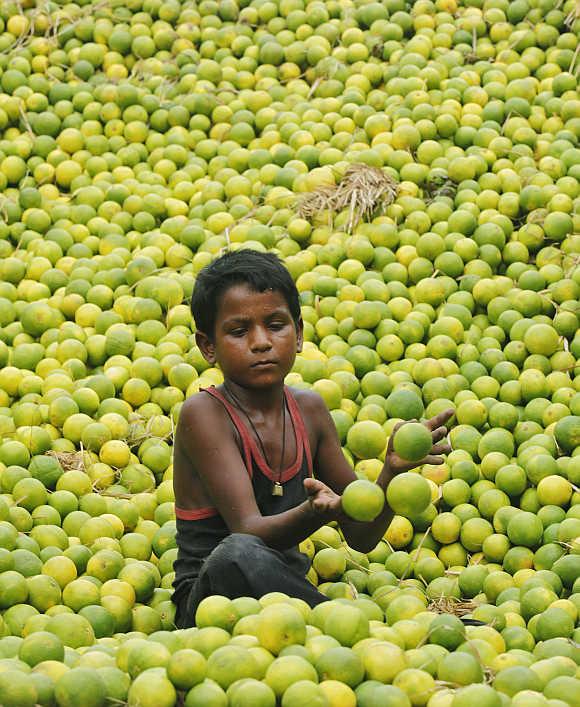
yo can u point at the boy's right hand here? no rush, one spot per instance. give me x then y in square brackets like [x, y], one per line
[322, 499]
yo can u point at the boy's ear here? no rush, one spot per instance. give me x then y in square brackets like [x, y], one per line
[206, 346]
[299, 335]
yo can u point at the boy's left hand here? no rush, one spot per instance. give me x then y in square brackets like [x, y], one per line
[327, 503]
[436, 425]
[323, 500]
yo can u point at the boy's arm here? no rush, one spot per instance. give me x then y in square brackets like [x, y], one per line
[333, 470]
[204, 433]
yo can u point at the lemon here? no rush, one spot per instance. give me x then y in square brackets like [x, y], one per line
[363, 500]
[280, 625]
[408, 494]
[366, 439]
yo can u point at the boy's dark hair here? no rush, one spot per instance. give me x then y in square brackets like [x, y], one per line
[259, 271]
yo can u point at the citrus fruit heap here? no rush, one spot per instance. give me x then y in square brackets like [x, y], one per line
[416, 165]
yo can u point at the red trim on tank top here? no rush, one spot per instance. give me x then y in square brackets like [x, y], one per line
[195, 513]
[238, 424]
[251, 450]
[300, 427]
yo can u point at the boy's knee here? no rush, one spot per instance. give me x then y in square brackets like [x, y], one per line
[238, 548]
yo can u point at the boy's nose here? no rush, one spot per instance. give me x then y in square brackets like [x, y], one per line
[261, 340]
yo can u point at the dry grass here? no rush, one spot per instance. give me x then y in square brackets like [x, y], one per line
[451, 605]
[572, 16]
[311, 204]
[136, 435]
[141, 429]
[69, 460]
[438, 187]
[363, 190]
[113, 494]
[445, 686]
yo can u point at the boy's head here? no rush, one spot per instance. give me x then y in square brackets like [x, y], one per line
[259, 271]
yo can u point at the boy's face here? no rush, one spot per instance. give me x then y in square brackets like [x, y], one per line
[255, 340]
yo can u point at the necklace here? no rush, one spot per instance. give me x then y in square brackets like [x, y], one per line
[277, 488]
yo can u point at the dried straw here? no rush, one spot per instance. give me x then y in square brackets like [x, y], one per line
[438, 187]
[138, 434]
[572, 17]
[108, 494]
[313, 203]
[488, 674]
[471, 56]
[451, 605]
[362, 189]
[69, 460]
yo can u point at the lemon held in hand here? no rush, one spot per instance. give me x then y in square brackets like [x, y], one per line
[412, 441]
[362, 500]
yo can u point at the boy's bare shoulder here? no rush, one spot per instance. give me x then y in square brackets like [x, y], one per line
[197, 402]
[201, 412]
[310, 403]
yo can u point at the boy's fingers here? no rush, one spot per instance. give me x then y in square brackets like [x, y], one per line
[443, 448]
[432, 459]
[440, 419]
[407, 466]
[312, 485]
[320, 505]
[439, 433]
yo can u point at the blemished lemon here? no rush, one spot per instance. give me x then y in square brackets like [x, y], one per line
[554, 490]
[348, 624]
[115, 453]
[280, 625]
[216, 611]
[17, 688]
[405, 404]
[230, 663]
[567, 432]
[150, 688]
[338, 693]
[329, 563]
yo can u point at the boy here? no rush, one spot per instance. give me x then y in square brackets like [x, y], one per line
[245, 452]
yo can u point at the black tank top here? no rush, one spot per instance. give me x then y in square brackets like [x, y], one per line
[200, 530]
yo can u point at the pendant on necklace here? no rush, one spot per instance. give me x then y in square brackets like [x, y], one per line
[277, 489]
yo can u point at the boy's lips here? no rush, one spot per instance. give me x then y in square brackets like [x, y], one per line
[260, 364]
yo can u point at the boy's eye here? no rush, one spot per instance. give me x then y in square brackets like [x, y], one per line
[237, 332]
